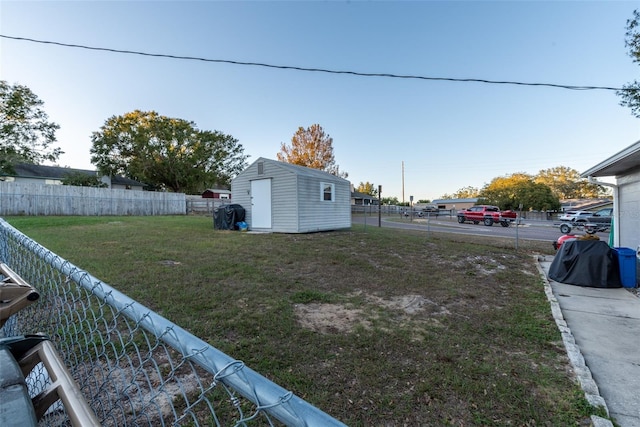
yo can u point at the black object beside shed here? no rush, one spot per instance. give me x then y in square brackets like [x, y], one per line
[227, 216]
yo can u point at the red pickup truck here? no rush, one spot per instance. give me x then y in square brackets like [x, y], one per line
[487, 215]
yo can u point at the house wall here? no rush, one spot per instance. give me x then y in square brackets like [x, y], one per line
[453, 205]
[216, 195]
[126, 187]
[25, 180]
[629, 205]
[53, 181]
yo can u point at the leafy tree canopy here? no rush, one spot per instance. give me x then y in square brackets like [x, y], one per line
[468, 192]
[511, 191]
[566, 183]
[390, 201]
[80, 179]
[367, 188]
[26, 134]
[165, 152]
[631, 93]
[313, 148]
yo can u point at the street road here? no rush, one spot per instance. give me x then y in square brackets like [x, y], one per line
[528, 229]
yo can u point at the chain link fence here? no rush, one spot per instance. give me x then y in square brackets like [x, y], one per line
[134, 367]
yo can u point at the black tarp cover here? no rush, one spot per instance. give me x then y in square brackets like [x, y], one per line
[590, 263]
[225, 217]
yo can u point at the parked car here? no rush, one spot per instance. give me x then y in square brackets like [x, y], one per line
[574, 215]
[599, 221]
[428, 211]
[486, 214]
[601, 217]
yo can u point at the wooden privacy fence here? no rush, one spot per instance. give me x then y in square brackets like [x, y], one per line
[204, 206]
[37, 199]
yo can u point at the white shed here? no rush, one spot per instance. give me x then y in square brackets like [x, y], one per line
[625, 167]
[286, 198]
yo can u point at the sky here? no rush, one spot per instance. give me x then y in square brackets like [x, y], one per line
[415, 137]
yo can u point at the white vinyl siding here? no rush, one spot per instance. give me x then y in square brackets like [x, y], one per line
[319, 215]
[297, 198]
[629, 205]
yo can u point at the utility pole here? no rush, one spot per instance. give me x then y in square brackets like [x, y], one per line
[403, 182]
[379, 205]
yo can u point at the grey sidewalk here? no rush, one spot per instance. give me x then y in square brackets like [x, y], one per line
[604, 324]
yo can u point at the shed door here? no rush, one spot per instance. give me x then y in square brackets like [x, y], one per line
[261, 203]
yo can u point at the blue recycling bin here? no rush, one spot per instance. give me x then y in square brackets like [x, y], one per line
[627, 265]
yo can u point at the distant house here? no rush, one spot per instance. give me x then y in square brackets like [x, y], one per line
[54, 175]
[216, 193]
[363, 199]
[454, 204]
[624, 166]
[286, 198]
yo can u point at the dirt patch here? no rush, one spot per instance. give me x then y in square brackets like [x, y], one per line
[409, 304]
[327, 318]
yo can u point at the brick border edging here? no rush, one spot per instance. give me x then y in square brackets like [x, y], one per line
[580, 369]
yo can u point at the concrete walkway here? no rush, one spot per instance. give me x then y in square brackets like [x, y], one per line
[601, 331]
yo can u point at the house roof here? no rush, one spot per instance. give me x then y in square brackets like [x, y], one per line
[584, 204]
[447, 201]
[26, 170]
[359, 195]
[618, 164]
[302, 170]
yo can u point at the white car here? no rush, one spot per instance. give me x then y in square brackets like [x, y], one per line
[574, 215]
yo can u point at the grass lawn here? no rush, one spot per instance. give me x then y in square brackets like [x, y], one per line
[373, 326]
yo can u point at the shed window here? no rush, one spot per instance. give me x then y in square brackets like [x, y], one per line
[260, 168]
[328, 192]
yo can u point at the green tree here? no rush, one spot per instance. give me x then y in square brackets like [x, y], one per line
[80, 179]
[313, 148]
[468, 192]
[166, 153]
[367, 188]
[390, 201]
[631, 92]
[511, 191]
[566, 183]
[26, 134]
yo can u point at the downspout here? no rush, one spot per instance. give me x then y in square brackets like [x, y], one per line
[616, 211]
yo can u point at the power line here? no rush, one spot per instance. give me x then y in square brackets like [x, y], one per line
[317, 70]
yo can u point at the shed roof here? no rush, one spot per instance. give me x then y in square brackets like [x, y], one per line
[618, 164]
[302, 170]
